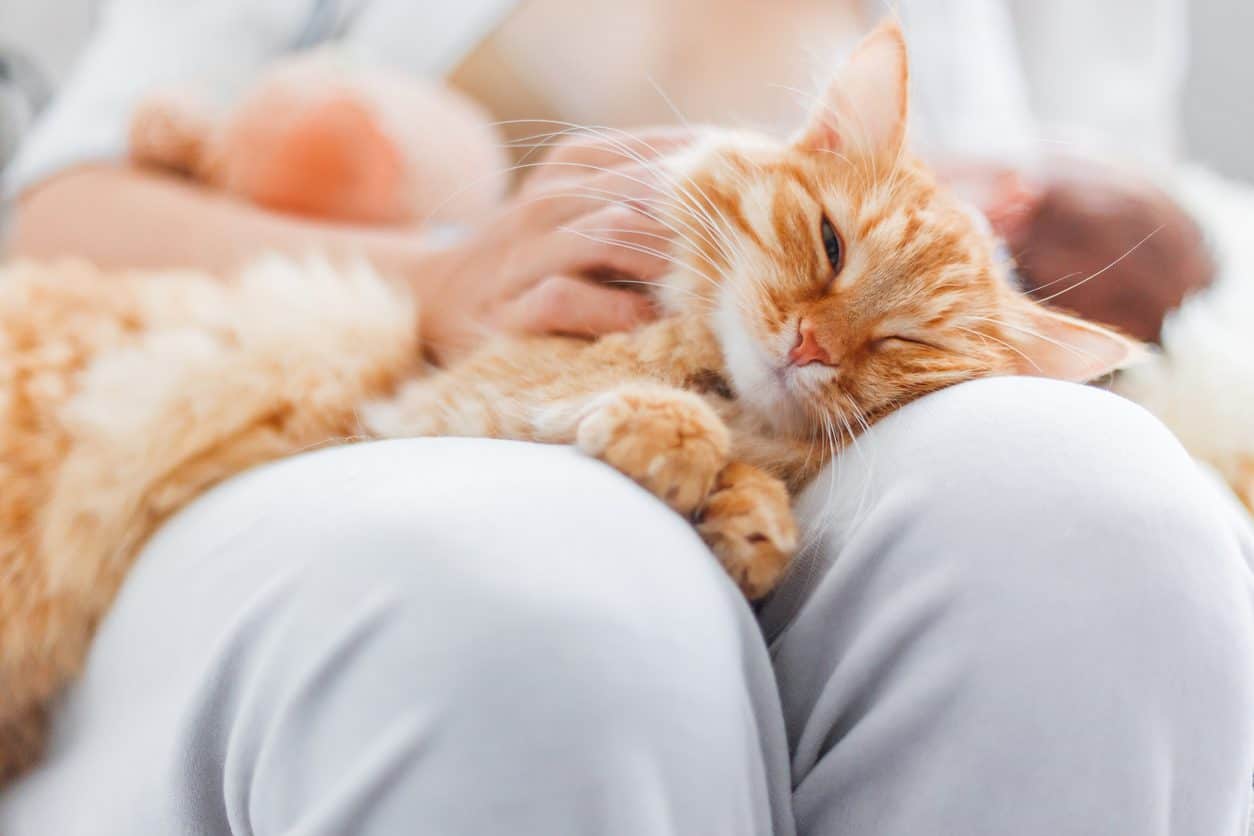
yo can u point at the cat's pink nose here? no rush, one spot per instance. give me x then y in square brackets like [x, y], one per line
[807, 350]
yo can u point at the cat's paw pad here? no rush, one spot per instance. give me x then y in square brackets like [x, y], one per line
[672, 443]
[747, 521]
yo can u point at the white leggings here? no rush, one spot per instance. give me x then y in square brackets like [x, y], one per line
[1022, 612]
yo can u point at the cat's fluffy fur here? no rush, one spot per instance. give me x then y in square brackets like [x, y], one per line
[1201, 384]
[122, 397]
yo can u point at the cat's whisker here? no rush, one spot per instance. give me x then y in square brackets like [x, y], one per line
[589, 167]
[674, 180]
[621, 146]
[640, 248]
[820, 417]
[700, 209]
[989, 337]
[1109, 266]
[1071, 349]
[842, 157]
[581, 191]
[831, 443]
[677, 239]
[705, 300]
[697, 211]
[500, 172]
[572, 129]
[681, 214]
[546, 141]
[670, 256]
[701, 216]
[651, 166]
[666, 212]
[1059, 280]
[841, 437]
[868, 481]
[840, 432]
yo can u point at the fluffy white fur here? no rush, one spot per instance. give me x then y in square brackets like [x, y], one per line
[1201, 384]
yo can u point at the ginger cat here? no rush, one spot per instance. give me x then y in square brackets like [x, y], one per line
[819, 284]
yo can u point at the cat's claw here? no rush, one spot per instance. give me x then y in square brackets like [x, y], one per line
[669, 441]
[748, 523]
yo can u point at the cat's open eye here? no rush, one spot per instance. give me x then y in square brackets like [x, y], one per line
[832, 245]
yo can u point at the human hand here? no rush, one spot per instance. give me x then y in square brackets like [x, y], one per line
[547, 260]
[1100, 241]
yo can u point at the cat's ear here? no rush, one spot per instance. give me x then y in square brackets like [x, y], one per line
[864, 109]
[1052, 344]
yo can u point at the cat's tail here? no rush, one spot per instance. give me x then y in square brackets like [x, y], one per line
[1201, 385]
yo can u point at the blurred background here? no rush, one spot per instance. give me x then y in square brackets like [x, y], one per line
[39, 40]
[1218, 112]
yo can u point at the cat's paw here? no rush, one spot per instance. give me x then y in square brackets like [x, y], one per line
[669, 441]
[748, 523]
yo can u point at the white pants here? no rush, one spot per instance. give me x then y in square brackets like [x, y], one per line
[1022, 612]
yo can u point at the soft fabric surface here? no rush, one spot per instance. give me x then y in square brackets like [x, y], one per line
[1013, 583]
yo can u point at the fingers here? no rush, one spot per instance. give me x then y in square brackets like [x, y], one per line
[613, 241]
[598, 227]
[561, 200]
[563, 305]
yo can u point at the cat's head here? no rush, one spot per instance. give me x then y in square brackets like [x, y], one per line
[841, 280]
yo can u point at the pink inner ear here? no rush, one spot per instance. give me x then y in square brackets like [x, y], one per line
[1063, 347]
[864, 108]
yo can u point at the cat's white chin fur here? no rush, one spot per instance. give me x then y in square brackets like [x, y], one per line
[692, 279]
[753, 376]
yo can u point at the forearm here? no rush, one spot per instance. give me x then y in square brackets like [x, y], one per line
[118, 216]
[521, 270]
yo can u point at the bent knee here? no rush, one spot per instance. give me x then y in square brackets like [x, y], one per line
[1043, 567]
[509, 563]
[1064, 524]
[1016, 459]
[524, 515]
[511, 597]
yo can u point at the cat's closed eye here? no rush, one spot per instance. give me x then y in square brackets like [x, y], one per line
[899, 339]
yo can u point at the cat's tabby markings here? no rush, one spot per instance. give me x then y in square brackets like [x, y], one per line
[819, 284]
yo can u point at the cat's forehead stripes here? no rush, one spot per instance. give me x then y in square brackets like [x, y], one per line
[761, 211]
[768, 203]
[759, 205]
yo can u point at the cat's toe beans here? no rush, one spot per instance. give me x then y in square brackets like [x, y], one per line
[754, 560]
[748, 523]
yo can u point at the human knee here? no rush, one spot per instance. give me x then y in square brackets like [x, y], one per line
[529, 612]
[1033, 567]
[544, 585]
[1044, 453]
[1065, 521]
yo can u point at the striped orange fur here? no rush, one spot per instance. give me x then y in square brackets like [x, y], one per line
[819, 284]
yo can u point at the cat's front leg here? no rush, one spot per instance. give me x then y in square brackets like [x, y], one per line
[673, 444]
[444, 404]
[668, 440]
[747, 521]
